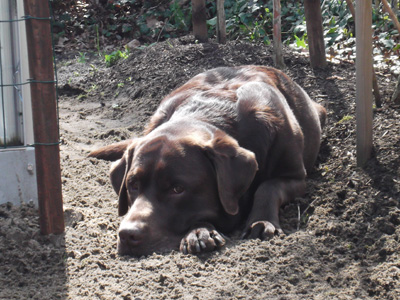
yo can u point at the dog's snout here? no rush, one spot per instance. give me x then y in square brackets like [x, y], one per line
[132, 234]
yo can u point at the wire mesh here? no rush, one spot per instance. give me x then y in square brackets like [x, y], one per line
[11, 97]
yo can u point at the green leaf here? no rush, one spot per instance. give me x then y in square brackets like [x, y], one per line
[144, 29]
[212, 22]
[126, 28]
[389, 44]
[112, 27]
[300, 42]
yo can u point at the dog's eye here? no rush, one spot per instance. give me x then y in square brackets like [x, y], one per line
[134, 186]
[178, 189]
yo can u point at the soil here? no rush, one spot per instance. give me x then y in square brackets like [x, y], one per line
[342, 237]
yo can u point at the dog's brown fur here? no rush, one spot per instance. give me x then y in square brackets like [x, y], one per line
[224, 150]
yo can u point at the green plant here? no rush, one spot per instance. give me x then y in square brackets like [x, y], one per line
[82, 96]
[94, 68]
[300, 42]
[178, 16]
[308, 273]
[345, 119]
[249, 20]
[111, 59]
[82, 57]
[93, 88]
[97, 40]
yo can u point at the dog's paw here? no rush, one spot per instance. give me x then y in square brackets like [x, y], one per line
[201, 240]
[262, 230]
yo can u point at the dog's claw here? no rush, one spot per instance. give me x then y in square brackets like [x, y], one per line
[201, 240]
[198, 249]
[219, 240]
[184, 249]
[263, 230]
[202, 245]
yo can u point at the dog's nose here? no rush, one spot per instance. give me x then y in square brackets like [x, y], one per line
[132, 234]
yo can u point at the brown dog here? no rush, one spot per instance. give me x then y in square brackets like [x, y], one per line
[226, 149]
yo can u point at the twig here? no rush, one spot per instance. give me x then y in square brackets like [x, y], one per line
[396, 94]
[391, 14]
[298, 216]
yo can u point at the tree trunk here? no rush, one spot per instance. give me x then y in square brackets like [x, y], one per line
[221, 27]
[315, 33]
[278, 57]
[199, 20]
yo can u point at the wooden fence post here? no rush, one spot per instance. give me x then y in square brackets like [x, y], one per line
[44, 112]
[199, 20]
[375, 86]
[278, 57]
[312, 9]
[364, 81]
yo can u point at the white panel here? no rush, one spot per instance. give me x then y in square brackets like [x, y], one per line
[18, 176]
[24, 68]
[17, 165]
[6, 75]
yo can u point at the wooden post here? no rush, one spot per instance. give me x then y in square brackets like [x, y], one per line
[221, 26]
[364, 80]
[44, 112]
[375, 86]
[278, 57]
[199, 20]
[312, 9]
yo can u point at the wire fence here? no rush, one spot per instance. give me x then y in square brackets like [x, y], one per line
[16, 124]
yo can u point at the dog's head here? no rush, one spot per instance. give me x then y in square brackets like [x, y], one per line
[174, 178]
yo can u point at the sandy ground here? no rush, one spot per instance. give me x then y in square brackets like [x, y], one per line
[342, 237]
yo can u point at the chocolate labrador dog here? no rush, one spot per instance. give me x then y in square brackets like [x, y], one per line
[223, 152]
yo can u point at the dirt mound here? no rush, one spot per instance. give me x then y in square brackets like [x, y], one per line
[342, 237]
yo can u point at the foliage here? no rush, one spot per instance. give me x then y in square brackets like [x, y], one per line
[252, 20]
[119, 21]
[112, 58]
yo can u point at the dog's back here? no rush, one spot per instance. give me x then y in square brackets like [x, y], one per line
[213, 96]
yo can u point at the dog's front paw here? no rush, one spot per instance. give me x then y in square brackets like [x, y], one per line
[201, 240]
[262, 230]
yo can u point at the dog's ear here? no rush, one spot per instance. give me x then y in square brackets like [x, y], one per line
[118, 173]
[111, 152]
[121, 153]
[235, 168]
